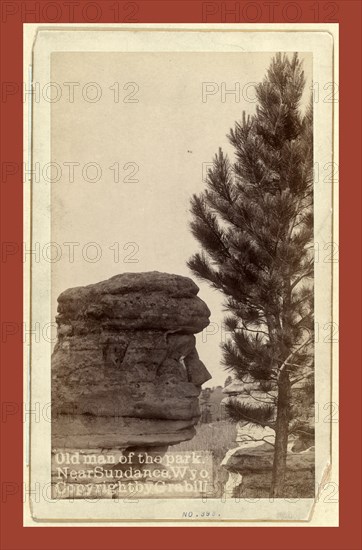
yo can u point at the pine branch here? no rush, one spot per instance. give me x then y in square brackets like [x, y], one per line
[294, 352]
[309, 375]
[301, 277]
[260, 416]
[273, 399]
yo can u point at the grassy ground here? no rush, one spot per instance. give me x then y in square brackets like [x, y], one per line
[217, 437]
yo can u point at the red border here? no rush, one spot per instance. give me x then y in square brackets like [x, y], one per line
[348, 535]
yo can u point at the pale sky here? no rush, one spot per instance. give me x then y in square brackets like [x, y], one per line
[164, 141]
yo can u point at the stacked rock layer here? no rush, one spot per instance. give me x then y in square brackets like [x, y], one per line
[125, 370]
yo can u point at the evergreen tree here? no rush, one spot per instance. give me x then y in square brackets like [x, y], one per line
[254, 223]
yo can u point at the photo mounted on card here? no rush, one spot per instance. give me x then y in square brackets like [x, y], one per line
[180, 187]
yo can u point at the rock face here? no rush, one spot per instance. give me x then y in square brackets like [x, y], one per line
[125, 370]
[259, 458]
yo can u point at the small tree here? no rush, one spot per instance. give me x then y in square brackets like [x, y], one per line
[255, 226]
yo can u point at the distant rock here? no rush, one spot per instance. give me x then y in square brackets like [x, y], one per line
[125, 370]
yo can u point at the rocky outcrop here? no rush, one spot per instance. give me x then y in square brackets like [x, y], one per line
[259, 458]
[125, 370]
[250, 469]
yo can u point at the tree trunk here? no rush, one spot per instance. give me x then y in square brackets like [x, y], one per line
[281, 436]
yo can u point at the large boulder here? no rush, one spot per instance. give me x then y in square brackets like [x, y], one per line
[259, 458]
[125, 370]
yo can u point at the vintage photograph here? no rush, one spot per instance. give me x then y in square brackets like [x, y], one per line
[181, 251]
[126, 375]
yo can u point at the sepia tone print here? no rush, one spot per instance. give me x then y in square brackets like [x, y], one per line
[179, 208]
[126, 376]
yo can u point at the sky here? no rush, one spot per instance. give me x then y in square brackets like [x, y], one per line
[132, 135]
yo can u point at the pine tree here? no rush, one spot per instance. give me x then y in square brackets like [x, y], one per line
[254, 223]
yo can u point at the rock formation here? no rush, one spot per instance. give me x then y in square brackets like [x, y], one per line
[125, 370]
[250, 469]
